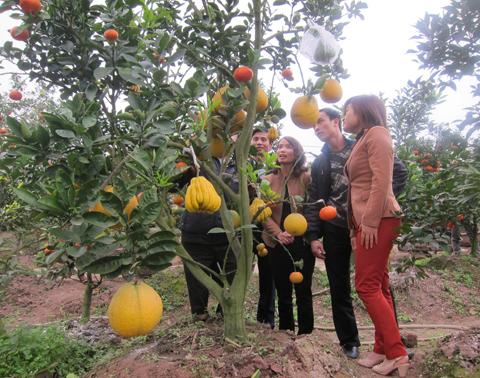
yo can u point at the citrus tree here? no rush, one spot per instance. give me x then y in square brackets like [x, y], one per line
[138, 80]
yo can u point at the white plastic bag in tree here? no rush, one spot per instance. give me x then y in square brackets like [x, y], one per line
[319, 45]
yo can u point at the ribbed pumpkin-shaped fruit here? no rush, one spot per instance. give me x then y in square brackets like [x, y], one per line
[295, 224]
[256, 204]
[296, 277]
[262, 99]
[331, 91]
[328, 213]
[201, 196]
[135, 310]
[304, 112]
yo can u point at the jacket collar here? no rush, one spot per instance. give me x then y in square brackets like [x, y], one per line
[326, 147]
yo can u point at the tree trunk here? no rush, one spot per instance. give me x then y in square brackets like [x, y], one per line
[87, 299]
[472, 232]
[234, 320]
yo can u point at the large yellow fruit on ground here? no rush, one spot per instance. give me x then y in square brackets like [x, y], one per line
[304, 112]
[262, 99]
[331, 91]
[135, 310]
[295, 224]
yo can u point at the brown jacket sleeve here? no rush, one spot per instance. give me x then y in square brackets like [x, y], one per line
[380, 158]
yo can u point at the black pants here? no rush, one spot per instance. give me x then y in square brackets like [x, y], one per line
[336, 242]
[213, 257]
[266, 288]
[282, 266]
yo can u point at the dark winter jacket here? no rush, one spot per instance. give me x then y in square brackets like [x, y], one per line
[320, 188]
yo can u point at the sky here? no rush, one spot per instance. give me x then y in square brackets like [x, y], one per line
[374, 54]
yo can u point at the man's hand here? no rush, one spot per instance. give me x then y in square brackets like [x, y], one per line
[285, 238]
[317, 249]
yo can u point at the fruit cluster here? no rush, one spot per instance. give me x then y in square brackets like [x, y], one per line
[201, 196]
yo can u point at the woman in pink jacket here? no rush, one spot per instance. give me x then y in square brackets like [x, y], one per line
[374, 220]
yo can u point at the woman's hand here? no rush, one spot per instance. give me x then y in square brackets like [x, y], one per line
[317, 249]
[368, 236]
[284, 237]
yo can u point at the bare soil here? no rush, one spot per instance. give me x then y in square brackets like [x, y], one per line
[441, 312]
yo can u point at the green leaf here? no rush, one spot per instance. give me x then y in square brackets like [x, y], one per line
[142, 158]
[68, 134]
[150, 213]
[102, 72]
[50, 259]
[97, 253]
[217, 230]
[99, 219]
[107, 265]
[89, 121]
[91, 92]
[26, 197]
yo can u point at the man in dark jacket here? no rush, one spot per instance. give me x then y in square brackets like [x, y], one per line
[330, 184]
[211, 250]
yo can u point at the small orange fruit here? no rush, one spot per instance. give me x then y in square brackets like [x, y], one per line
[111, 35]
[328, 213]
[295, 224]
[19, 36]
[263, 252]
[287, 73]
[47, 251]
[243, 74]
[272, 134]
[296, 277]
[15, 95]
[260, 246]
[331, 91]
[3, 131]
[180, 165]
[30, 6]
[178, 200]
[460, 217]
[450, 225]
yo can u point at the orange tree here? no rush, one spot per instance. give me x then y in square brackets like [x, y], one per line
[137, 100]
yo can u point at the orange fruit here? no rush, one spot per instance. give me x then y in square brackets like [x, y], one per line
[238, 121]
[429, 168]
[331, 91]
[450, 225]
[328, 213]
[260, 246]
[304, 112]
[178, 200]
[3, 131]
[217, 147]
[111, 35]
[287, 73]
[262, 99]
[272, 134]
[263, 252]
[296, 277]
[22, 36]
[30, 6]
[47, 251]
[460, 217]
[295, 224]
[180, 165]
[15, 95]
[217, 99]
[243, 74]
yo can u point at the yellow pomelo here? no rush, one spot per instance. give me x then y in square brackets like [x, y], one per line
[262, 99]
[295, 224]
[135, 310]
[304, 112]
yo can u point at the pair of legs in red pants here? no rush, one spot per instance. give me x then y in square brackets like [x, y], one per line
[372, 285]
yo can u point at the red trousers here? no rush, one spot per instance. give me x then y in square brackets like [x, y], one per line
[373, 288]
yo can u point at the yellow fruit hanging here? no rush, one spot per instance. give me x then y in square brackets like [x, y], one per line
[201, 196]
[272, 134]
[217, 99]
[135, 310]
[255, 206]
[262, 99]
[238, 121]
[295, 224]
[217, 147]
[331, 91]
[304, 112]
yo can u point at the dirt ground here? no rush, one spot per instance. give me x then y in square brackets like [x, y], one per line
[441, 311]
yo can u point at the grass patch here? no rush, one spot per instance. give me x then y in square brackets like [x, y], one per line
[172, 287]
[30, 351]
